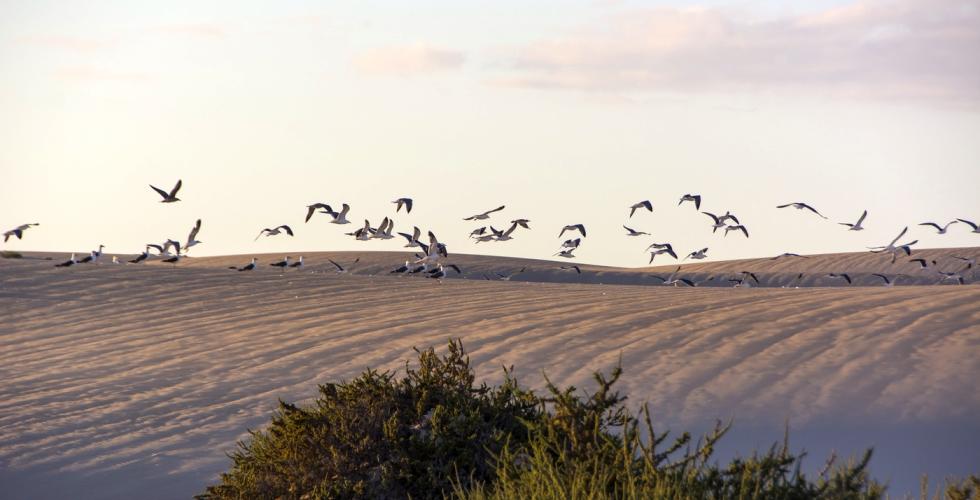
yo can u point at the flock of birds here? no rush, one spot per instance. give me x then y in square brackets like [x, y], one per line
[431, 258]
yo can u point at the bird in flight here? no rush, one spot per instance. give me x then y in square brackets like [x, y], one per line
[976, 228]
[801, 206]
[698, 255]
[191, 238]
[857, 225]
[485, 215]
[641, 204]
[403, 202]
[274, 231]
[311, 209]
[696, 198]
[939, 229]
[738, 227]
[573, 227]
[18, 231]
[172, 195]
[633, 232]
[341, 269]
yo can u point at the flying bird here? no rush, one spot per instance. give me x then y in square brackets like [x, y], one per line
[952, 276]
[485, 215]
[939, 229]
[341, 269]
[341, 216]
[666, 250]
[506, 235]
[571, 243]
[573, 227]
[18, 231]
[507, 277]
[696, 198]
[738, 227]
[886, 280]
[642, 204]
[633, 232]
[384, 230]
[478, 232]
[976, 228]
[171, 196]
[673, 280]
[698, 255]
[440, 272]
[857, 225]
[403, 202]
[567, 268]
[895, 250]
[274, 231]
[191, 238]
[413, 239]
[801, 206]
[522, 222]
[719, 222]
[311, 209]
[566, 253]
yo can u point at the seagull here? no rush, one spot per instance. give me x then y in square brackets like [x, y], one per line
[298, 264]
[658, 245]
[247, 267]
[115, 260]
[413, 239]
[440, 272]
[485, 215]
[505, 236]
[787, 254]
[70, 262]
[801, 206]
[700, 254]
[566, 253]
[173, 260]
[384, 230]
[857, 225]
[922, 263]
[737, 228]
[400, 269]
[572, 243]
[976, 228]
[140, 258]
[363, 233]
[845, 276]
[171, 243]
[339, 217]
[477, 232]
[887, 281]
[940, 230]
[522, 222]
[720, 221]
[673, 280]
[642, 204]
[507, 277]
[894, 250]
[341, 269]
[696, 198]
[633, 232]
[575, 268]
[92, 257]
[970, 263]
[951, 276]
[487, 237]
[18, 231]
[406, 202]
[274, 231]
[171, 196]
[191, 241]
[741, 282]
[665, 249]
[573, 227]
[311, 209]
[282, 264]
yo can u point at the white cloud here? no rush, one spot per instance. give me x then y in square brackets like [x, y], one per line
[408, 60]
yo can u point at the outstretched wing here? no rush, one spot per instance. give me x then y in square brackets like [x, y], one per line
[173, 192]
[162, 193]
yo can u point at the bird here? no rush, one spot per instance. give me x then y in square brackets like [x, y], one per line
[115, 260]
[487, 237]
[633, 232]
[787, 254]
[506, 235]
[573, 227]
[274, 231]
[247, 267]
[384, 230]
[641, 204]
[70, 262]
[171, 244]
[720, 221]
[173, 260]
[403, 202]
[844, 276]
[93, 256]
[507, 277]
[567, 268]
[341, 269]
[339, 217]
[673, 280]
[696, 198]
[140, 258]
[801, 206]
[566, 253]
[887, 281]
[282, 264]
[857, 225]
[191, 241]
[440, 272]
[298, 264]
[478, 232]
[939, 229]
[311, 209]
[522, 222]
[413, 239]
[400, 269]
[970, 263]
[895, 250]
[952, 276]
[18, 231]
[738, 227]
[485, 215]
[363, 233]
[571, 243]
[666, 250]
[698, 255]
[172, 195]
[976, 228]
[922, 263]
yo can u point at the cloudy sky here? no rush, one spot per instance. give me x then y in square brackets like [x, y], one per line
[566, 113]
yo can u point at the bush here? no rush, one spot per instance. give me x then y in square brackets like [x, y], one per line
[433, 434]
[7, 254]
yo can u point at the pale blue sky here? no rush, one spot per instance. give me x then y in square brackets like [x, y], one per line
[568, 112]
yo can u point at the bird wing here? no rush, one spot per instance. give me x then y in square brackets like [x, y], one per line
[865, 214]
[288, 229]
[974, 226]
[630, 230]
[581, 228]
[338, 266]
[309, 211]
[416, 233]
[786, 205]
[266, 230]
[173, 192]
[511, 229]
[814, 210]
[162, 192]
[345, 209]
[408, 205]
[456, 268]
[899, 236]
[697, 202]
[197, 227]
[713, 216]
[744, 230]
[501, 207]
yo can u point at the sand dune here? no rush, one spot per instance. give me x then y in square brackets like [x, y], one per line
[136, 380]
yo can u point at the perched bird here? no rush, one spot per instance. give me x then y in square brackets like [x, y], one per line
[341, 269]
[568, 268]
[522, 222]
[311, 209]
[939, 229]
[976, 228]
[274, 231]
[738, 227]
[247, 267]
[93, 256]
[70, 262]
[633, 232]
[173, 260]
[696, 198]
[403, 202]
[698, 255]
[413, 239]
[115, 260]
[298, 264]
[140, 258]
[18, 231]
[857, 225]
[191, 238]
[642, 204]
[787, 254]
[485, 215]
[573, 227]
[801, 206]
[846, 277]
[282, 264]
[171, 196]
[400, 269]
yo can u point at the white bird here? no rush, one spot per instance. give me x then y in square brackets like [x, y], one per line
[893, 249]
[18, 231]
[172, 195]
[719, 222]
[573, 227]
[282, 264]
[571, 243]
[738, 227]
[485, 215]
[633, 232]
[801, 206]
[384, 230]
[413, 239]
[976, 228]
[480, 231]
[341, 269]
[857, 225]
[566, 253]
[273, 231]
[339, 217]
[642, 204]
[191, 241]
[696, 198]
[363, 233]
[673, 280]
[247, 267]
[92, 257]
[311, 209]
[506, 235]
[700, 254]
[403, 202]
[939, 229]
[571, 268]
[666, 250]
[298, 265]
[115, 260]
[70, 262]
[522, 222]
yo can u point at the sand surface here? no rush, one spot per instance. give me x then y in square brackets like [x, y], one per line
[134, 381]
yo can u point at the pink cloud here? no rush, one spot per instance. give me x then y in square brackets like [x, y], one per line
[408, 60]
[889, 48]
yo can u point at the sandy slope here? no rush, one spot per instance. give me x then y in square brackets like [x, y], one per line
[136, 380]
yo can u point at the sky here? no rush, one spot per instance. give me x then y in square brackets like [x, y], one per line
[568, 112]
